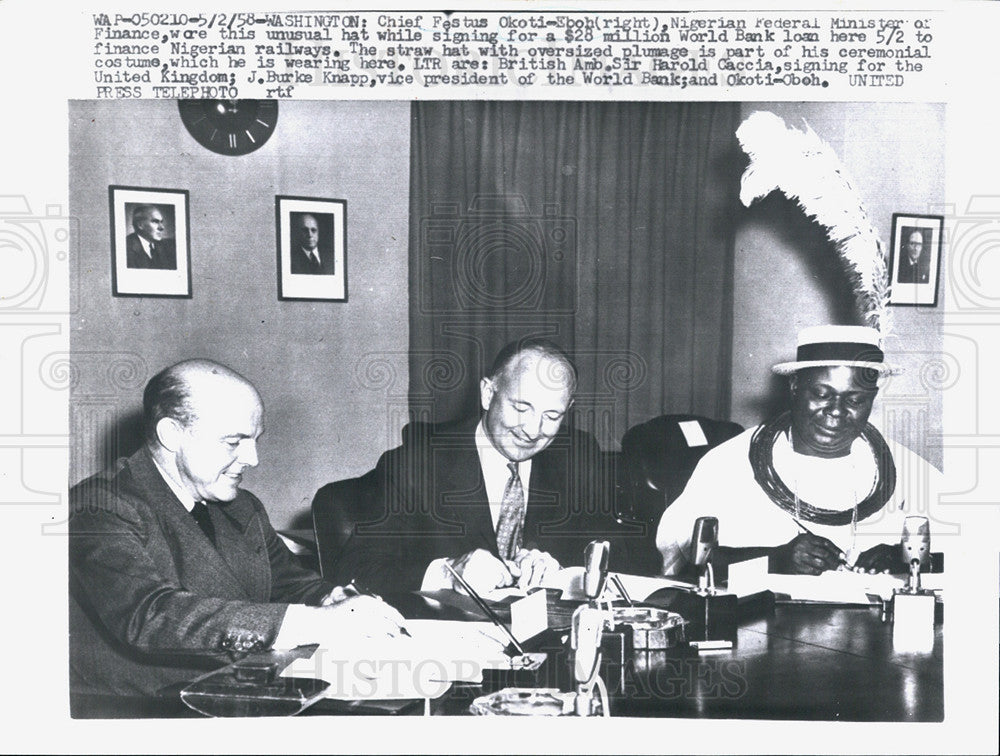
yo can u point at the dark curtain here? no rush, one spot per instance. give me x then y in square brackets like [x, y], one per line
[604, 226]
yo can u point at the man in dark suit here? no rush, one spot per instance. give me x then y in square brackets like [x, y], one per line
[147, 246]
[501, 499]
[174, 568]
[308, 256]
[915, 264]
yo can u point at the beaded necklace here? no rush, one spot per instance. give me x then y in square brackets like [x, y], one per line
[762, 462]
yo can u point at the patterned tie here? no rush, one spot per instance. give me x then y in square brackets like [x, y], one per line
[511, 521]
[204, 520]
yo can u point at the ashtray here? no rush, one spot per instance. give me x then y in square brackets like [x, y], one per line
[652, 627]
[654, 632]
[524, 702]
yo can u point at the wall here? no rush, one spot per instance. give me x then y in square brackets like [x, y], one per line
[894, 151]
[333, 375]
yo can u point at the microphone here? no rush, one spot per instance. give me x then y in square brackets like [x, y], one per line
[912, 608]
[595, 569]
[704, 539]
[917, 540]
[586, 631]
[916, 547]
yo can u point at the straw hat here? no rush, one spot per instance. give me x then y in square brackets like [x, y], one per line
[827, 345]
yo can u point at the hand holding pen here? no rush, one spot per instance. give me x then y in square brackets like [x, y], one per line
[364, 611]
[808, 554]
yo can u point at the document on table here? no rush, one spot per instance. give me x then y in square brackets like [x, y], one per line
[438, 653]
[833, 586]
[745, 578]
[569, 580]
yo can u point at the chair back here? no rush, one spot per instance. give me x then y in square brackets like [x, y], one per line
[658, 457]
[336, 509]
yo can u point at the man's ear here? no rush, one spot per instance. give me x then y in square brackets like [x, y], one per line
[792, 383]
[168, 433]
[487, 388]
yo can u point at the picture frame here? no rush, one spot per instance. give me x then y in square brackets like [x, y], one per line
[150, 242]
[915, 259]
[312, 248]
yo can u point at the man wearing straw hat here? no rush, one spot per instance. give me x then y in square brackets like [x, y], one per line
[817, 487]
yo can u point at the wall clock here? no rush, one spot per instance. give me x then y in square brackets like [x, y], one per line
[230, 127]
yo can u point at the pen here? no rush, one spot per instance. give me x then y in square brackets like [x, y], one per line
[620, 587]
[843, 556]
[359, 590]
[489, 612]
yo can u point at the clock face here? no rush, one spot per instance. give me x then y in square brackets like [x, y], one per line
[230, 127]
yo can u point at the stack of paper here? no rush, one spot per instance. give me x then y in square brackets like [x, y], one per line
[834, 586]
[438, 653]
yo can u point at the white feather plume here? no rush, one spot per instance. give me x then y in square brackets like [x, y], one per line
[803, 167]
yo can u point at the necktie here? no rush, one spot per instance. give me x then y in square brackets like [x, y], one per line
[511, 521]
[152, 251]
[204, 520]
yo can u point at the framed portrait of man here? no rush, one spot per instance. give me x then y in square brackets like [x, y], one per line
[915, 262]
[150, 251]
[312, 248]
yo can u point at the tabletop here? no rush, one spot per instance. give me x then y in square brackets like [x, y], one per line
[799, 662]
[795, 661]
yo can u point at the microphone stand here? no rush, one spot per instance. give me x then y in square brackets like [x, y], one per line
[590, 620]
[912, 607]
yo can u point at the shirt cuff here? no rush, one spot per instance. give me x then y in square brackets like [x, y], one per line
[437, 577]
[300, 627]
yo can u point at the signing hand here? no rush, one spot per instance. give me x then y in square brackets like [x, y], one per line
[531, 566]
[338, 594]
[363, 617]
[881, 558]
[481, 570]
[807, 554]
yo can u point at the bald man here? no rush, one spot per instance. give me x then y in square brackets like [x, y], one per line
[310, 253]
[502, 498]
[175, 569]
[148, 246]
[915, 262]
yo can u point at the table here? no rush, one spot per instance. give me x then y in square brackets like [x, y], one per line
[801, 662]
[798, 662]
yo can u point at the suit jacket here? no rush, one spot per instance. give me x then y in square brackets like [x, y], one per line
[164, 254]
[432, 503]
[152, 602]
[303, 264]
[918, 272]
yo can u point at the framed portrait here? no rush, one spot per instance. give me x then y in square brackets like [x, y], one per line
[312, 248]
[915, 262]
[150, 249]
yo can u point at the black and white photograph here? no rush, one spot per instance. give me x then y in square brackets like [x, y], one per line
[149, 242]
[312, 248]
[916, 258]
[659, 394]
[581, 334]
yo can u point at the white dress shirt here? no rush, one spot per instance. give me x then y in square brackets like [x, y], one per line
[183, 496]
[312, 254]
[146, 244]
[493, 465]
[496, 473]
